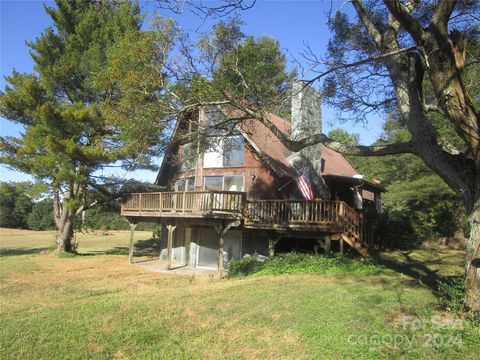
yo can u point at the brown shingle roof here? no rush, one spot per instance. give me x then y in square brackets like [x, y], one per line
[263, 140]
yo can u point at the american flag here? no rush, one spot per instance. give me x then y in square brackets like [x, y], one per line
[303, 183]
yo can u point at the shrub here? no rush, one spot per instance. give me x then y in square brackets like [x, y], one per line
[299, 263]
[451, 293]
[244, 267]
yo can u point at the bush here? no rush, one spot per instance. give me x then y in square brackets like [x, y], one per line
[244, 267]
[415, 211]
[451, 293]
[299, 263]
[395, 231]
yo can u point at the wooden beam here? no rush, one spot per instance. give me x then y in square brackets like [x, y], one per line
[341, 245]
[220, 264]
[132, 236]
[170, 228]
[335, 236]
[272, 241]
[328, 245]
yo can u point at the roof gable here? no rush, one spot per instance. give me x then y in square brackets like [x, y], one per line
[272, 151]
[263, 139]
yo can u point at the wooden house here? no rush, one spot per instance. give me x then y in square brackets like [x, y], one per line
[240, 192]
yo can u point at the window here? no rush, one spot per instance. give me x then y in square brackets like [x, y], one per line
[226, 183]
[226, 152]
[233, 151]
[213, 117]
[213, 183]
[180, 185]
[185, 184]
[213, 157]
[233, 183]
[187, 157]
[191, 184]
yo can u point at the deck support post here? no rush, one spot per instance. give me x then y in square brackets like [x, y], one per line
[328, 244]
[222, 231]
[170, 228]
[271, 247]
[341, 244]
[272, 241]
[132, 236]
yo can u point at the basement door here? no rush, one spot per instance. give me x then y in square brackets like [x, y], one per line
[207, 248]
[179, 247]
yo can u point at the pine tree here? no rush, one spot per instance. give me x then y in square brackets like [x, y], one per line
[67, 136]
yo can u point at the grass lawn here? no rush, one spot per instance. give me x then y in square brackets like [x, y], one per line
[99, 306]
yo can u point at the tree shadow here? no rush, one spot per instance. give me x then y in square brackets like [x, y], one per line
[150, 247]
[23, 251]
[147, 248]
[418, 270]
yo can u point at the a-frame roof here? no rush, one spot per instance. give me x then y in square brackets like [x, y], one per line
[273, 152]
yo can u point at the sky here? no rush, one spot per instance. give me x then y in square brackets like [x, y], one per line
[292, 23]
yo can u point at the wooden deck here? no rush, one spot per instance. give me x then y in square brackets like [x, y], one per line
[281, 215]
[191, 204]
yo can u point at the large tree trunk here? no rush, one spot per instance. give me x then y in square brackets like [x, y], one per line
[441, 53]
[65, 236]
[64, 220]
[459, 174]
[472, 264]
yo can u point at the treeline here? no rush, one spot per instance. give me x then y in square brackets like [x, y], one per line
[24, 205]
[417, 204]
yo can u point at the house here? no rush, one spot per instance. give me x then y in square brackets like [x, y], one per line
[237, 190]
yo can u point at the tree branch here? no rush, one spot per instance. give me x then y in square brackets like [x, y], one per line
[394, 26]
[405, 18]
[373, 150]
[433, 108]
[442, 14]
[365, 19]
[360, 62]
[297, 145]
[85, 207]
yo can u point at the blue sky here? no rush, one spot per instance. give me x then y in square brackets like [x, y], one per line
[293, 23]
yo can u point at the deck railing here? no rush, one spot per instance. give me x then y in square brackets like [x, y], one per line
[158, 203]
[260, 213]
[352, 223]
[292, 212]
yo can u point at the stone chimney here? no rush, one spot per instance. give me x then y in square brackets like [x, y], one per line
[306, 111]
[306, 122]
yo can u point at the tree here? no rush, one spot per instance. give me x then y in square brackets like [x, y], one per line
[414, 57]
[15, 205]
[41, 216]
[344, 137]
[417, 204]
[69, 134]
[417, 53]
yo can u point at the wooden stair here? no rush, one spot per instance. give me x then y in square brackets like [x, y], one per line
[358, 245]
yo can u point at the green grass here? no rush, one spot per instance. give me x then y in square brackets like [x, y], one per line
[101, 307]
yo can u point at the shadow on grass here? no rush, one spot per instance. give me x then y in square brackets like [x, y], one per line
[23, 251]
[419, 270]
[150, 247]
